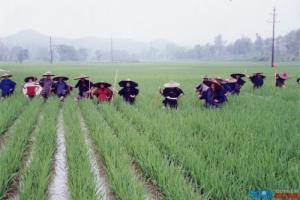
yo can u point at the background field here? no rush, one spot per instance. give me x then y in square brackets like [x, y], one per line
[251, 142]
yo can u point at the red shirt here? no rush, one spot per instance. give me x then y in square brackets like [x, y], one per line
[104, 94]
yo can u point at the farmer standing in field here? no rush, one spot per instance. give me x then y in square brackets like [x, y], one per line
[228, 85]
[280, 79]
[257, 79]
[61, 88]
[84, 86]
[215, 94]
[103, 92]
[47, 83]
[298, 80]
[129, 90]
[31, 88]
[202, 88]
[172, 93]
[239, 82]
[7, 86]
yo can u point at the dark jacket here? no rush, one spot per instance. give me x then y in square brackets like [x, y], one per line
[129, 94]
[83, 86]
[7, 86]
[257, 80]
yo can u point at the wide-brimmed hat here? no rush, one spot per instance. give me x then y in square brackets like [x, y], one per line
[33, 78]
[283, 75]
[105, 84]
[209, 83]
[64, 78]
[48, 74]
[171, 84]
[258, 74]
[231, 80]
[81, 76]
[205, 76]
[6, 75]
[123, 83]
[237, 74]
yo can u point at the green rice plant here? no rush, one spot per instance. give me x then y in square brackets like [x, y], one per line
[80, 177]
[224, 171]
[122, 180]
[155, 166]
[10, 109]
[36, 177]
[12, 153]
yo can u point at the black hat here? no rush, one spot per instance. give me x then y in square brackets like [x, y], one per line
[123, 83]
[33, 78]
[105, 84]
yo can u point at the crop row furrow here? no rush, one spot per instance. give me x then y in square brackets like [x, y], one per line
[120, 175]
[13, 150]
[155, 165]
[80, 176]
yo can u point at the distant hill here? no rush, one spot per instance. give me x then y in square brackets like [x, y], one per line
[31, 39]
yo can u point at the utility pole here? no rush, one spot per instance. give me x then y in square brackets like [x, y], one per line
[51, 51]
[111, 50]
[273, 38]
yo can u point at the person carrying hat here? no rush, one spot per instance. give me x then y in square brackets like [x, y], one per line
[47, 84]
[103, 92]
[257, 79]
[7, 86]
[31, 88]
[129, 90]
[172, 93]
[84, 86]
[215, 94]
[280, 79]
[61, 88]
[239, 82]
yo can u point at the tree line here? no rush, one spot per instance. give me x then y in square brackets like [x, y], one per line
[287, 48]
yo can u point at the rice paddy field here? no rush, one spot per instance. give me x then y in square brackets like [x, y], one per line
[86, 151]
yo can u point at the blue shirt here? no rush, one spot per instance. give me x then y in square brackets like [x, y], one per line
[7, 86]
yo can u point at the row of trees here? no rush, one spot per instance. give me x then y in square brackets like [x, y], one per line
[287, 49]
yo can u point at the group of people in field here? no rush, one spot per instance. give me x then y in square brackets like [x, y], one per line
[213, 91]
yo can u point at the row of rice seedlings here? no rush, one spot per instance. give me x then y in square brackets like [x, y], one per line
[12, 153]
[36, 178]
[80, 177]
[169, 142]
[233, 155]
[10, 110]
[121, 178]
[155, 165]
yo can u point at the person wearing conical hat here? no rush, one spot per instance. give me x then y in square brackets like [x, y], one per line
[7, 86]
[257, 79]
[84, 86]
[129, 90]
[215, 94]
[228, 85]
[239, 82]
[280, 79]
[31, 88]
[103, 91]
[47, 84]
[172, 92]
[61, 88]
[202, 88]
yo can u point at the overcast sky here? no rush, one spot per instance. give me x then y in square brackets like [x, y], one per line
[183, 21]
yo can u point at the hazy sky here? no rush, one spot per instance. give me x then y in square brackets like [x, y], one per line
[183, 21]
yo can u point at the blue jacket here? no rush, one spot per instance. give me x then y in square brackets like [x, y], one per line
[7, 86]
